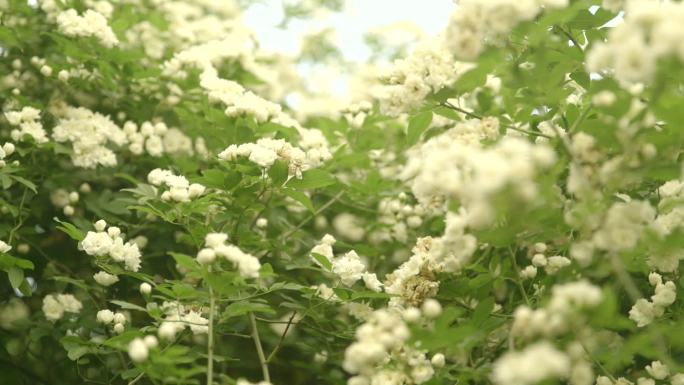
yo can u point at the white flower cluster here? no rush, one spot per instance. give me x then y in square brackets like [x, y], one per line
[156, 139]
[551, 264]
[644, 311]
[651, 31]
[265, 152]
[12, 311]
[535, 363]
[456, 166]
[180, 189]
[567, 300]
[28, 122]
[207, 56]
[105, 279]
[453, 250]
[399, 215]
[117, 320]
[349, 226]
[139, 348]
[623, 225]
[348, 267]
[379, 341]
[414, 280]
[429, 68]
[670, 217]
[177, 318]
[91, 24]
[89, 133]
[475, 23]
[55, 305]
[356, 113]
[65, 200]
[658, 372]
[238, 101]
[110, 243]
[215, 245]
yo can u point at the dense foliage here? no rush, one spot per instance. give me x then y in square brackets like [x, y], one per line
[498, 204]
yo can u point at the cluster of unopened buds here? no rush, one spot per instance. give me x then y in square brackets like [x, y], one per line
[550, 264]
[65, 200]
[180, 189]
[116, 320]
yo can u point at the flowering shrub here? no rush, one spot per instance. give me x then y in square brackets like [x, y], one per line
[503, 203]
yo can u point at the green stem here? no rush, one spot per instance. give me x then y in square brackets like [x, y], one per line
[210, 339]
[259, 349]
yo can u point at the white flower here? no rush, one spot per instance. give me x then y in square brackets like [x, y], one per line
[145, 288]
[348, 268]
[262, 156]
[4, 247]
[262, 223]
[438, 360]
[206, 256]
[119, 318]
[105, 279]
[105, 316]
[55, 305]
[138, 350]
[100, 225]
[151, 341]
[431, 308]
[643, 312]
[168, 330]
[371, 281]
[677, 379]
[118, 328]
[157, 176]
[195, 190]
[214, 240]
[196, 322]
[97, 244]
[535, 363]
[14, 310]
[658, 370]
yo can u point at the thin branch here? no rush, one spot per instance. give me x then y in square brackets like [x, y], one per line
[259, 349]
[579, 120]
[571, 38]
[20, 220]
[310, 217]
[282, 337]
[136, 379]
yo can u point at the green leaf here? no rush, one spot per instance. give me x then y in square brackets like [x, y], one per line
[25, 182]
[299, 197]
[71, 230]
[278, 173]
[128, 305]
[417, 125]
[472, 79]
[7, 261]
[236, 309]
[325, 262]
[185, 261]
[315, 178]
[16, 277]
